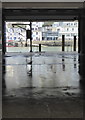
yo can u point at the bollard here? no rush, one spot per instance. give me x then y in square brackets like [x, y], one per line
[25, 44]
[39, 47]
[63, 42]
[74, 43]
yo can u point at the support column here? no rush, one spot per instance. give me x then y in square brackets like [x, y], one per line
[30, 37]
[3, 36]
[79, 36]
[0, 61]
[82, 47]
[26, 38]
[63, 42]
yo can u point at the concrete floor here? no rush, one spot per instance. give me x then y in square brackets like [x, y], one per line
[42, 85]
[0, 84]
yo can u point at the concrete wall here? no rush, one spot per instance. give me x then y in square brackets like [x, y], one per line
[0, 62]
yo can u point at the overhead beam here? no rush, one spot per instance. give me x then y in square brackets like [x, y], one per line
[42, 4]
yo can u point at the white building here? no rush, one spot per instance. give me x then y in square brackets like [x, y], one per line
[36, 31]
[14, 33]
[53, 32]
[69, 29]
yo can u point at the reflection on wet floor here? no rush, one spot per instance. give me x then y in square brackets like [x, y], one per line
[42, 85]
[42, 71]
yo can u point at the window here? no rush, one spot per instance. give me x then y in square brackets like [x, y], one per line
[72, 34]
[33, 35]
[68, 24]
[68, 35]
[35, 28]
[75, 24]
[36, 33]
[32, 28]
[14, 38]
[67, 29]
[58, 29]
[72, 29]
[36, 38]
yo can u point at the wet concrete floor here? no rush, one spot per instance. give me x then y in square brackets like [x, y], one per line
[0, 84]
[42, 85]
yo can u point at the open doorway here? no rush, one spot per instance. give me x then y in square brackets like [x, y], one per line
[49, 35]
[17, 36]
[45, 36]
